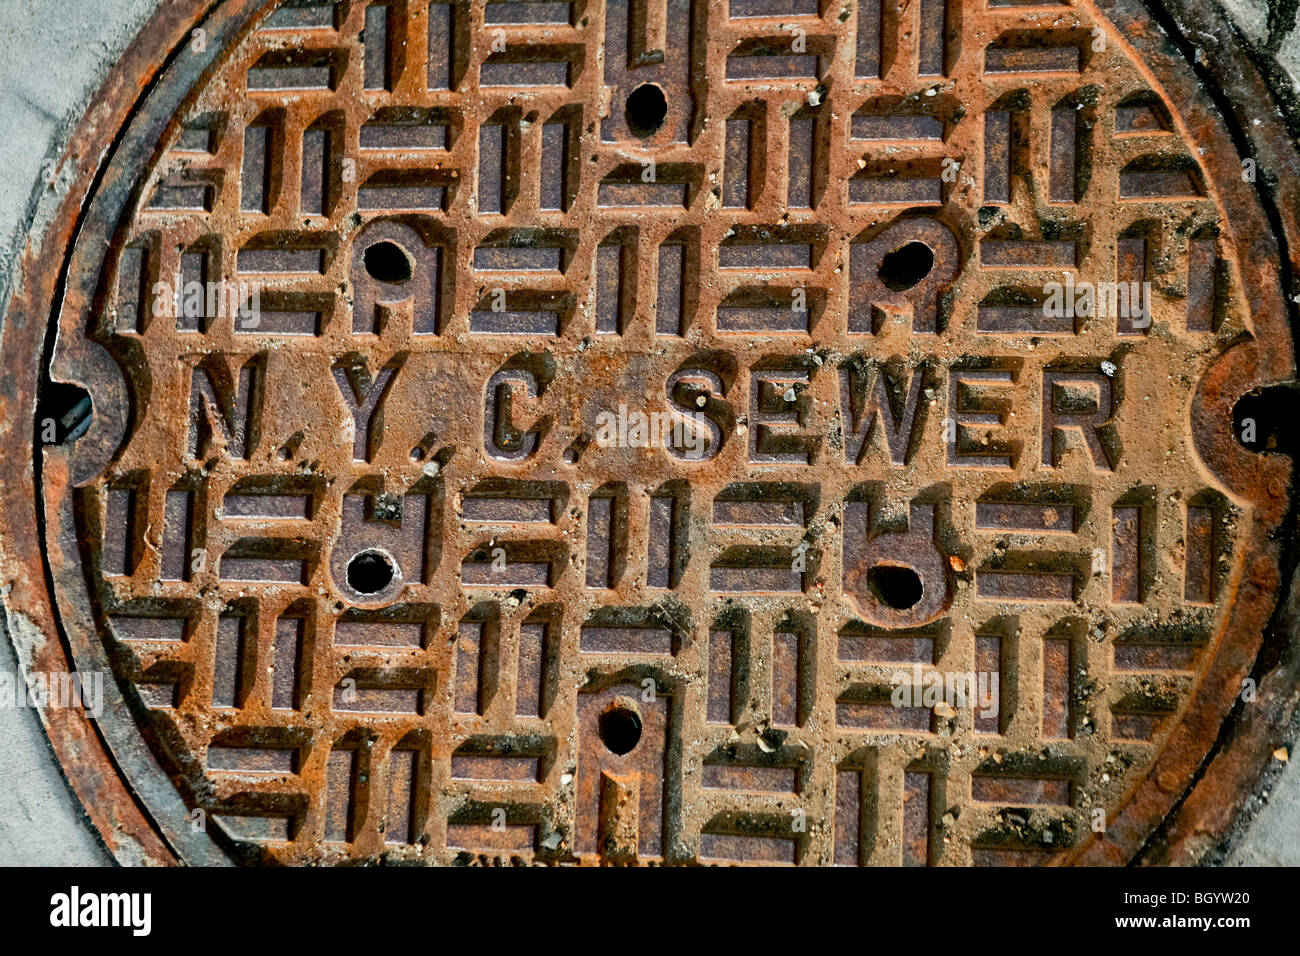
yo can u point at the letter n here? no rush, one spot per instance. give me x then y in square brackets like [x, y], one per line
[227, 407]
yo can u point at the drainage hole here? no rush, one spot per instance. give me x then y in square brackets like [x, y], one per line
[620, 729]
[64, 413]
[387, 262]
[896, 586]
[1264, 419]
[369, 572]
[906, 266]
[646, 109]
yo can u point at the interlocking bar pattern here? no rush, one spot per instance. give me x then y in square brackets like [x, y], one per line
[834, 248]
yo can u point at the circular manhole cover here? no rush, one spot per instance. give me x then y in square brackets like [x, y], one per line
[764, 431]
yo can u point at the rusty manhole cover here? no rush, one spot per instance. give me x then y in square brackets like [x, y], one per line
[763, 431]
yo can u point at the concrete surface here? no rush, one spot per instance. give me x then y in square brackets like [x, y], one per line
[52, 56]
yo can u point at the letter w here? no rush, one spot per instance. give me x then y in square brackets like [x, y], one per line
[859, 409]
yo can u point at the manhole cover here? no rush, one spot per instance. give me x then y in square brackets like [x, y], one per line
[763, 431]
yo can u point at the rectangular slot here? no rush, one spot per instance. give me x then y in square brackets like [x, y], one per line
[290, 643]
[302, 16]
[513, 502]
[511, 70]
[557, 160]
[657, 641]
[265, 561]
[1134, 726]
[741, 9]
[1126, 554]
[614, 268]
[520, 570]
[256, 184]
[787, 668]
[121, 524]
[133, 288]
[1130, 273]
[442, 45]
[802, 162]
[1198, 579]
[848, 818]
[193, 312]
[1020, 791]
[721, 677]
[933, 38]
[494, 150]
[367, 629]
[530, 694]
[772, 66]
[1141, 182]
[379, 72]
[602, 554]
[1057, 702]
[884, 648]
[737, 164]
[1202, 284]
[662, 567]
[496, 768]
[747, 848]
[521, 12]
[759, 513]
[269, 760]
[767, 309]
[995, 516]
[1150, 656]
[1027, 254]
[517, 258]
[508, 510]
[228, 677]
[1032, 59]
[400, 824]
[750, 778]
[626, 187]
[397, 135]
[512, 838]
[670, 301]
[1064, 149]
[988, 661]
[867, 63]
[183, 197]
[881, 716]
[177, 535]
[394, 190]
[340, 795]
[888, 191]
[997, 157]
[149, 629]
[278, 260]
[476, 653]
[1025, 585]
[282, 71]
[916, 818]
[765, 256]
[316, 160]
[268, 506]
[516, 321]
[402, 692]
[756, 570]
[905, 128]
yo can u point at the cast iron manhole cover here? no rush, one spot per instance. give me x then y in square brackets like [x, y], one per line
[755, 431]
